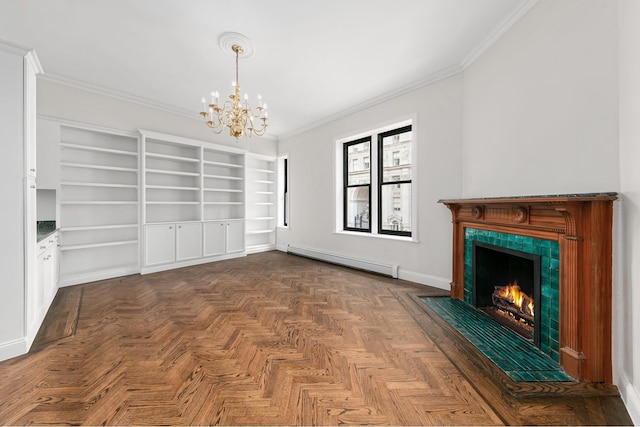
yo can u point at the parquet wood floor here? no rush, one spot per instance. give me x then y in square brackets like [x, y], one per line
[269, 339]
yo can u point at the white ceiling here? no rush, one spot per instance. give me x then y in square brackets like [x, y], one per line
[313, 60]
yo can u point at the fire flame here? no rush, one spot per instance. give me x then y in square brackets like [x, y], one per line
[513, 294]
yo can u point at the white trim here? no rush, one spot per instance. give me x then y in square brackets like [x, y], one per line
[13, 348]
[83, 278]
[127, 97]
[189, 141]
[13, 48]
[495, 35]
[425, 279]
[399, 91]
[373, 132]
[90, 127]
[630, 397]
[259, 248]
[375, 266]
[32, 57]
[174, 265]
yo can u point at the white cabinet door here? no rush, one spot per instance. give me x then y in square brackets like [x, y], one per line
[30, 116]
[159, 244]
[235, 236]
[189, 241]
[31, 252]
[214, 238]
[49, 273]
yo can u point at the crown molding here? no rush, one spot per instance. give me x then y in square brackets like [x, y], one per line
[402, 90]
[498, 32]
[127, 97]
[123, 96]
[10, 47]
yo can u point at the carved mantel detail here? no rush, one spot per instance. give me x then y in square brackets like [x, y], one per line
[582, 226]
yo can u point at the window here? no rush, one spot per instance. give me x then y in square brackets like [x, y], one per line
[283, 191]
[394, 148]
[357, 186]
[378, 200]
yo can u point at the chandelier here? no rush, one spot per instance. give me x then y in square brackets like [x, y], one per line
[235, 113]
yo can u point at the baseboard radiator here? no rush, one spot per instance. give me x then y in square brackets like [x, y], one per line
[376, 267]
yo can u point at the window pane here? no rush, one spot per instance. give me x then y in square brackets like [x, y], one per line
[358, 163]
[396, 157]
[396, 207]
[357, 208]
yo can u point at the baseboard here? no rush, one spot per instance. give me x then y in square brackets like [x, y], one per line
[281, 248]
[259, 248]
[425, 279]
[630, 397]
[78, 279]
[197, 261]
[376, 267]
[13, 348]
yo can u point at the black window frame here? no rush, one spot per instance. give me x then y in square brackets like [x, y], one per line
[380, 183]
[346, 186]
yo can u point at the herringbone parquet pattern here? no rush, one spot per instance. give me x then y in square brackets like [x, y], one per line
[270, 339]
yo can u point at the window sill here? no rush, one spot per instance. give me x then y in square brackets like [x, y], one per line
[378, 236]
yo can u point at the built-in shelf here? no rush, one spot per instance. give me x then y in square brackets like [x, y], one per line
[98, 245]
[99, 224]
[99, 227]
[171, 172]
[97, 184]
[227, 177]
[261, 209]
[99, 167]
[98, 149]
[99, 202]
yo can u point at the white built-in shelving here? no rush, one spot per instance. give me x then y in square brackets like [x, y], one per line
[194, 201]
[99, 225]
[261, 202]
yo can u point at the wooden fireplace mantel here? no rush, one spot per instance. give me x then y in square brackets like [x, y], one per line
[582, 226]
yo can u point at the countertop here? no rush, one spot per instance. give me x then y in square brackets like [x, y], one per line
[45, 229]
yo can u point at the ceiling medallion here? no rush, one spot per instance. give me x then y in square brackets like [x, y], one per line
[235, 114]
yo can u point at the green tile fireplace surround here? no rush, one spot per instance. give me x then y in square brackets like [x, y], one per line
[549, 252]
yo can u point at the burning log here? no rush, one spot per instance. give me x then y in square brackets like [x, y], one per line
[512, 300]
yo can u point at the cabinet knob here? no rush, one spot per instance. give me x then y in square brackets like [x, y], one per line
[33, 186]
[32, 170]
[43, 247]
[170, 228]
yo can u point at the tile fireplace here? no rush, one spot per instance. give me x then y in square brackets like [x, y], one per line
[542, 266]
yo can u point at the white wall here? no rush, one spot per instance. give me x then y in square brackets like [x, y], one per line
[627, 296]
[541, 105]
[439, 131]
[71, 103]
[12, 186]
[552, 107]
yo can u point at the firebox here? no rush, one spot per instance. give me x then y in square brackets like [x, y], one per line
[506, 286]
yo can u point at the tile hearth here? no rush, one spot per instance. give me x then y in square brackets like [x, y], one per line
[513, 354]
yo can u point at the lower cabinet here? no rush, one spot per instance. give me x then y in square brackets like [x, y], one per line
[190, 241]
[46, 284]
[223, 237]
[159, 244]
